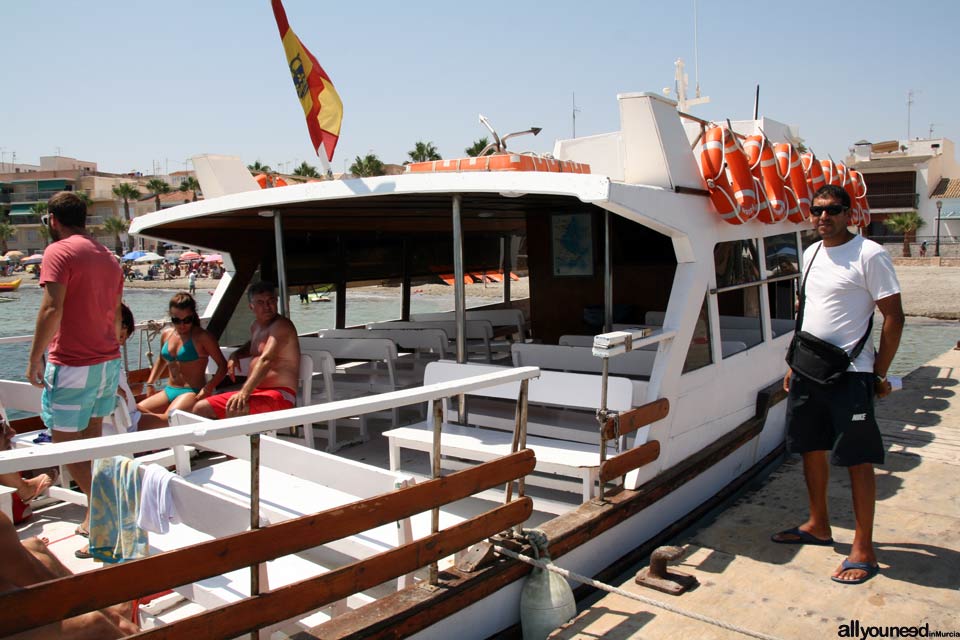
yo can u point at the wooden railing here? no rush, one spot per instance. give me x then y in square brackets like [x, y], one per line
[56, 600]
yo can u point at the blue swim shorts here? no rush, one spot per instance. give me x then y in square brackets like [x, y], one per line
[74, 395]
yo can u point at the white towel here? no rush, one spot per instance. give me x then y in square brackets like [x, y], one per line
[157, 510]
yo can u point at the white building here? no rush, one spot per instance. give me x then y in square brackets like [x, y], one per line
[911, 175]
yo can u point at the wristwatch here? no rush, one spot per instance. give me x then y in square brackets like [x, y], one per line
[880, 379]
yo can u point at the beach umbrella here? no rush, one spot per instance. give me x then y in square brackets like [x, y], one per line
[36, 258]
[133, 255]
[14, 255]
[4, 259]
[213, 257]
[189, 255]
[149, 256]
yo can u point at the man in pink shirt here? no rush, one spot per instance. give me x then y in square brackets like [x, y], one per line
[79, 320]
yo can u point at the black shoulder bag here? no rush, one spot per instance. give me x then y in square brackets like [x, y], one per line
[817, 359]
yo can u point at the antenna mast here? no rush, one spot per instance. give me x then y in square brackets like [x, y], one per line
[696, 51]
[909, 105]
[574, 112]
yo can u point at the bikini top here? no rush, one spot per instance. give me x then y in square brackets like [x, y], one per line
[186, 353]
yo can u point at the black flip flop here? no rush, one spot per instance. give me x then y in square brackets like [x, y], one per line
[83, 554]
[802, 537]
[83, 533]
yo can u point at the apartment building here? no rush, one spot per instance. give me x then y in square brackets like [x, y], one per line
[910, 175]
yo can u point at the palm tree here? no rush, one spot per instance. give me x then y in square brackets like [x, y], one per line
[126, 191]
[44, 232]
[256, 167]
[116, 226]
[369, 165]
[424, 151]
[83, 195]
[474, 150]
[7, 232]
[306, 171]
[190, 184]
[156, 186]
[907, 224]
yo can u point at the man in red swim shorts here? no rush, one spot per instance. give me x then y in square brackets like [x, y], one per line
[274, 353]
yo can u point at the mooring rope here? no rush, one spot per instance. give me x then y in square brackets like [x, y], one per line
[538, 540]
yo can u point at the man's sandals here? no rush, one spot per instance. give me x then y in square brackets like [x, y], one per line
[796, 536]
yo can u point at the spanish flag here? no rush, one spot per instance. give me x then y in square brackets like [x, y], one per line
[320, 101]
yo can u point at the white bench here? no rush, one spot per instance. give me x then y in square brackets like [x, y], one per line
[554, 456]
[479, 334]
[425, 345]
[362, 379]
[496, 317]
[206, 514]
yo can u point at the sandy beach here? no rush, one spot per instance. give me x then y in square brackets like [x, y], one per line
[927, 291]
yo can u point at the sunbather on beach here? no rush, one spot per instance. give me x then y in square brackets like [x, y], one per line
[274, 352]
[184, 350]
[31, 562]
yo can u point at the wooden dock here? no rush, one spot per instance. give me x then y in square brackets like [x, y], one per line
[785, 591]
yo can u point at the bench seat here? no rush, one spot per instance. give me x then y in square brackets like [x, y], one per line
[559, 457]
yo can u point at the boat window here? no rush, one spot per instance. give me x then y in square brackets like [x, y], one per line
[782, 267]
[699, 353]
[738, 295]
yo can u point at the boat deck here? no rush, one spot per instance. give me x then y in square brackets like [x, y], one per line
[785, 591]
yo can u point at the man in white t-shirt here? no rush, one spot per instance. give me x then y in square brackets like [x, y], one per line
[847, 276]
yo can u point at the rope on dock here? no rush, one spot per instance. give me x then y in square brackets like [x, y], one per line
[570, 575]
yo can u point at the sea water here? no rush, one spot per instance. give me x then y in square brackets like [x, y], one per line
[923, 338]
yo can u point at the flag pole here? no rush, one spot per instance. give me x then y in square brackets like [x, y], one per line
[322, 155]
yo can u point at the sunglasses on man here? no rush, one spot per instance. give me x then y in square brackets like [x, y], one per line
[830, 210]
[187, 320]
[45, 219]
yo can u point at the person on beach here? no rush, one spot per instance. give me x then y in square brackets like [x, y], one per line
[847, 277]
[192, 281]
[923, 249]
[184, 350]
[78, 320]
[274, 352]
[31, 562]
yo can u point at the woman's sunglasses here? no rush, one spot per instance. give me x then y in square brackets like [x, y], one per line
[187, 320]
[830, 210]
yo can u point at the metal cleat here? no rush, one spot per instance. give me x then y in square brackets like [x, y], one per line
[658, 577]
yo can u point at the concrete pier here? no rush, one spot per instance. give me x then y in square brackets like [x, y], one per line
[785, 591]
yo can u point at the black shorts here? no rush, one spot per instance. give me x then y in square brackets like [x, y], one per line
[837, 417]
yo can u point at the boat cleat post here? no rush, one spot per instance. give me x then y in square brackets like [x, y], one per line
[658, 576]
[475, 557]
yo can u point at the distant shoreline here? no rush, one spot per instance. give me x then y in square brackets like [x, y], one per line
[928, 292]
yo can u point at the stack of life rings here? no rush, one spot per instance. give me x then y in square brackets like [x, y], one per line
[772, 182]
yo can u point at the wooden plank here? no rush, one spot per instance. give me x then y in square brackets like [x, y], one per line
[628, 461]
[41, 604]
[289, 601]
[23, 425]
[634, 419]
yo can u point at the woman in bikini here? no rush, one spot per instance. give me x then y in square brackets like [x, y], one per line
[185, 348]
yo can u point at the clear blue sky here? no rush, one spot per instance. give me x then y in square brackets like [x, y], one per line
[129, 83]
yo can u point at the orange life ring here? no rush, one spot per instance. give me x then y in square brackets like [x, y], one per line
[788, 162]
[763, 165]
[727, 175]
[847, 183]
[860, 191]
[814, 172]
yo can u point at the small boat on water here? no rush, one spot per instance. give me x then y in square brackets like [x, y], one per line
[639, 382]
[10, 285]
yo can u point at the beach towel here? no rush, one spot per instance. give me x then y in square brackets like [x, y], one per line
[157, 510]
[114, 501]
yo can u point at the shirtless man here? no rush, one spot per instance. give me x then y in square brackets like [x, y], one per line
[31, 562]
[274, 353]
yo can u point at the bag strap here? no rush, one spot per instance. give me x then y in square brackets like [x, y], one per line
[803, 287]
[857, 348]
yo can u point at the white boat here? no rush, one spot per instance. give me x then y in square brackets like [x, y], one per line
[642, 302]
